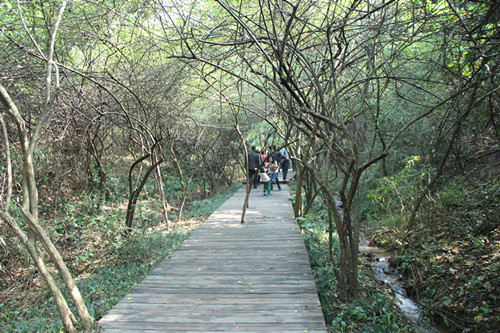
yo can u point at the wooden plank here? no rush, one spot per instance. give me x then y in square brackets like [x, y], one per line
[161, 327]
[229, 277]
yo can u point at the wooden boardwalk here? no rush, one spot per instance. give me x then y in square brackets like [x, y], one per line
[229, 277]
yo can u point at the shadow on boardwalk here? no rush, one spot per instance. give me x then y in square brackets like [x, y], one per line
[229, 277]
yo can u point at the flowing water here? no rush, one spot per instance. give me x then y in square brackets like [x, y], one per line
[379, 261]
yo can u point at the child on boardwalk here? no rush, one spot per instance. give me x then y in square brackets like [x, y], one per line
[264, 178]
[272, 168]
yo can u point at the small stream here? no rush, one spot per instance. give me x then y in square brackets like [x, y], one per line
[379, 261]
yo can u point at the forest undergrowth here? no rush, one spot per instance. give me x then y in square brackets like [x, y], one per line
[374, 311]
[106, 265]
[450, 257]
[449, 260]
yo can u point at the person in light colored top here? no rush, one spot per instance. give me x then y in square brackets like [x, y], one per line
[273, 171]
[264, 178]
[285, 162]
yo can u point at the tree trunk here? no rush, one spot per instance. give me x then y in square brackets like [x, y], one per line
[66, 316]
[181, 181]
[134, 194]
[162, 196]
[299, 201]
[330, 235]
[30, 212]
[63, 269]
[8, 165]
[247, 196]
[347, 275]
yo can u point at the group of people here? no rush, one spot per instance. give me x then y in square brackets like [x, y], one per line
[263, 167]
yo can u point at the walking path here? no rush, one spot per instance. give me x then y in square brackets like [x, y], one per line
[230, 277]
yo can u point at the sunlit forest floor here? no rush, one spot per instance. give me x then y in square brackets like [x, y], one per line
[105, 264]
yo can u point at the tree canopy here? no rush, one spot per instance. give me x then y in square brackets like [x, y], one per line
[98, 94]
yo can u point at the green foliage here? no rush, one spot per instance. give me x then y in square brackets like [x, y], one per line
[208, 206]
[76, 221]
[374, 311]
[397, 193]
[108, 271]
[450, 261]
[105, 286]
[453, 193]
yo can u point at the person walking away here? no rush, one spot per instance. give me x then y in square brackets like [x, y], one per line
[285, 163]
[264, 178]
[294, 154]
[263, 154]
[276, 157]
[273, 172]
[276, 154]
[254, 161]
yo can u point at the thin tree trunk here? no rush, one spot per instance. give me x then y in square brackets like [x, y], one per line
[8, 164]
[330, 234]
[355, 246]
[299, 201]
[249, 181]
[63, 269]
[134, 195]
[66, 315]
[181, 181]
[162, 196]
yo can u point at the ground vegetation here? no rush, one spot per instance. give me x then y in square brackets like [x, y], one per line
[117, 116]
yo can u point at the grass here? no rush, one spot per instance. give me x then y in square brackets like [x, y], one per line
[206, 207]
[103, 287]
[106, 265]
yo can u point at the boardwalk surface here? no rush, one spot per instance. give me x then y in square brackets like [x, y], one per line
[229, 277]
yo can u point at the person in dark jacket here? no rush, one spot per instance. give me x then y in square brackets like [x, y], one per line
[254, 161]
[276, 154]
